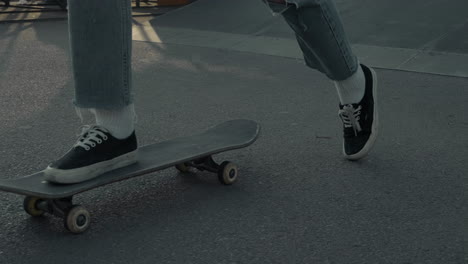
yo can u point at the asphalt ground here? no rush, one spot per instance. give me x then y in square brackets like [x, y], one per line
[297, 200]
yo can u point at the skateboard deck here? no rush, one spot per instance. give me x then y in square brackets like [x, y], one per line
[229, 135]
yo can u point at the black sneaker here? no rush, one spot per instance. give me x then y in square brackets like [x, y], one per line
[95, 153]
[360, 121]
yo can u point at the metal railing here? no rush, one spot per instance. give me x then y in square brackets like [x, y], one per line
[61, 3]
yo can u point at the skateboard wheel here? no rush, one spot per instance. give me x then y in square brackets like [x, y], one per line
[182, 167]
[227, 173]
[77, 219]
[30, 206]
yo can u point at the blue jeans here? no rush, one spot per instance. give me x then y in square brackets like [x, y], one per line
[101, 46]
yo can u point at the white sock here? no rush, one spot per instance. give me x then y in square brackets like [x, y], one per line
[351, 90]
[120, 123]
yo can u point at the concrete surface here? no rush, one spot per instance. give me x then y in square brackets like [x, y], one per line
[297, 199]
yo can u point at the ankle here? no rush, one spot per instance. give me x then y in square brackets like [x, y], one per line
[119, 122]
[351, 90]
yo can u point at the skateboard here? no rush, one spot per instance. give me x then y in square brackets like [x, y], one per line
[183, 153]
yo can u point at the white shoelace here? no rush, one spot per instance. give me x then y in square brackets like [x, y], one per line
[351, 117]
[90, 135]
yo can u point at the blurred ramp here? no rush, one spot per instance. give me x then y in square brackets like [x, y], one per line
[401, 40]
[237, 17]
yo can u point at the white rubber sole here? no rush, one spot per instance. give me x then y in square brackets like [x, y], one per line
[87, 173]
[375, 125]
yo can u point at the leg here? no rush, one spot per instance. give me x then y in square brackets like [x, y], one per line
[322, 39]
[101, 48]
[320, 35]
[100, 37]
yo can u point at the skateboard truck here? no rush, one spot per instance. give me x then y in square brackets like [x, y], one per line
[76, 218]
[227, 171]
